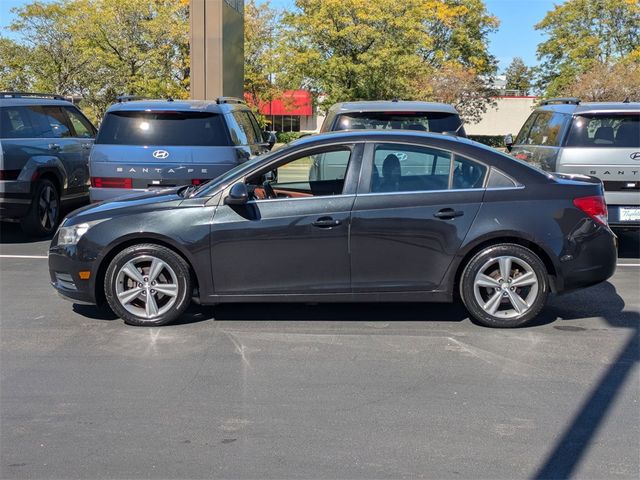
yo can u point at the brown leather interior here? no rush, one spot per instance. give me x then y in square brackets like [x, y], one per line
[260, 194]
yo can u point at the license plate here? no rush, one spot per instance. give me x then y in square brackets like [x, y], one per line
[629, 214]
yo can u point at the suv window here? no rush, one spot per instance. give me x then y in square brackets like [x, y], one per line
[606, 131]
[244, 129]
[171, 128]
[81, 125]
[424, 121]
[53, 120]
[545, 130]
[17, 122]
[523, 135]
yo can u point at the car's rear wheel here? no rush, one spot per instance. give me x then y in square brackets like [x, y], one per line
[44, 212]
[504, 285]
[148, 285]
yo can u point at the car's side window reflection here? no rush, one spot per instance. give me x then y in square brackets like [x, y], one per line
[402, 168]
[318, 174]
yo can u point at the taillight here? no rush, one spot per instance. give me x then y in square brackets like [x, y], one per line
[595, 207]
[111, 182]
[197, 181]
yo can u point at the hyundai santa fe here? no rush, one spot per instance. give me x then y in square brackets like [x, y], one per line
[411, 216]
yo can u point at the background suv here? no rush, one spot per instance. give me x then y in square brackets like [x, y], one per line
[44, 147]
[394, 115]
[150, 144]
[597, 139]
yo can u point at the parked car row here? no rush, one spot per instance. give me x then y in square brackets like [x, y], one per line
[389, 203]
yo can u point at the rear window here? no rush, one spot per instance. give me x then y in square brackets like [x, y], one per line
[423, 121]
[163, 128]
[605, 131]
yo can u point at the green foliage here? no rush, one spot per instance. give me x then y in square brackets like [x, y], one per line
[582, 34]
[495, 141]
[101, 49]
[361, 49]
[519, 76]
[286, 137]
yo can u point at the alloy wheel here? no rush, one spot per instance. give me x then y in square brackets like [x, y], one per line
[506, 287]
[146, 286]
[48, 207]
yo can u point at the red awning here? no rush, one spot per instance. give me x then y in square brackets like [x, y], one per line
[292, 102]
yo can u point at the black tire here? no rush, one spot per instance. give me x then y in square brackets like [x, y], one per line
[44, 213]
[137, 311]
[489, 262]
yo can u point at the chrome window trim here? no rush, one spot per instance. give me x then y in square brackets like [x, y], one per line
[300, 198]
[520, 187]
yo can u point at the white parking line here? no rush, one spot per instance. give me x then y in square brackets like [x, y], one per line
[628, 264]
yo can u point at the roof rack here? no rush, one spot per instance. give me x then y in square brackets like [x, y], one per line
[562, 100]
[31, 95]
[130, 98]
[220, 100]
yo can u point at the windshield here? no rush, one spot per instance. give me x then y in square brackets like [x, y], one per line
[171, 128]
[438, 122]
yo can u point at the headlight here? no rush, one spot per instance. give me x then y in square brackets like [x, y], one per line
[71, 235]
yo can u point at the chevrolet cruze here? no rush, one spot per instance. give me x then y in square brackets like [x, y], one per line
[360, 216]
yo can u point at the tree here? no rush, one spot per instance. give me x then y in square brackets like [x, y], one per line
[261, 35]
[102, 48]
[360, 49]
[584, 33]
[518, 76]
[607, 83]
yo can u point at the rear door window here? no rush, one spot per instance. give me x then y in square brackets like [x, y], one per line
[244, 129]
[172, 128]
[605, 131]
[55, 122]
[546, 129]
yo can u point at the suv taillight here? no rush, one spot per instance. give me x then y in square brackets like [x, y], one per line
[111, 182]
[595, 207]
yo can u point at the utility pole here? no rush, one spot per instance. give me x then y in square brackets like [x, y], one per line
[217, 48]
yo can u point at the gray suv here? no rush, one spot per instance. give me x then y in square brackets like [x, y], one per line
[155, 144]
[44, 148]
[598, 139]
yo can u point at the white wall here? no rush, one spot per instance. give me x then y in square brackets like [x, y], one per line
[508, 116]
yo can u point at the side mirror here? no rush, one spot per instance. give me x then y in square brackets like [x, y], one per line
[508, 141]
[238, 195]
[270, 176]
[270, 139]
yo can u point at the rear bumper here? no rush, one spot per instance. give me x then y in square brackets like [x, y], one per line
[589, 257]
[15, 198]
[619, 215]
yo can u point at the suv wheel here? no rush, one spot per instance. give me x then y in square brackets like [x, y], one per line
[504, 285]
[148, 285]
[44, 212]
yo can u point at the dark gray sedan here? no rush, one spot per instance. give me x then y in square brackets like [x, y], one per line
[352, 216]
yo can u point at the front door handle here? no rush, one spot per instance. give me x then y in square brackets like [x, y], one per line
[326, 222]
[448, 213]
[54, 146]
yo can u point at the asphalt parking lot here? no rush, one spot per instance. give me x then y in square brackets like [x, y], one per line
[328, 391]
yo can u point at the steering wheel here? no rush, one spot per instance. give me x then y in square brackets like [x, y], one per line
[268, 190]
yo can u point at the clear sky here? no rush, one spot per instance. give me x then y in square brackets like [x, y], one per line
[516, 36]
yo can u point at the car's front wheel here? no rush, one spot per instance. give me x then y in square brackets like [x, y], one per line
[148, 285]
[504, 285]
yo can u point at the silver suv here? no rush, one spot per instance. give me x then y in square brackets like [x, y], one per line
[598, 139]
[154, 144]
[44, 148]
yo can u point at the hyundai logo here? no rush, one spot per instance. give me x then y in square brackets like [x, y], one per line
[160, 154]
[635, 156]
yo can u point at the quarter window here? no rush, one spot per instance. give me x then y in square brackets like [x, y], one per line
[244, 129]
[546, 129]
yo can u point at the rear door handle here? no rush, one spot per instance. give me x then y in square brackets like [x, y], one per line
[448, 213]
[326, 222]
[54, 146]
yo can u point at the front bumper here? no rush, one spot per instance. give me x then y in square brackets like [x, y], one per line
[65, 265]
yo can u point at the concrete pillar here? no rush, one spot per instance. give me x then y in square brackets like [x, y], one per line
[217, 48]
